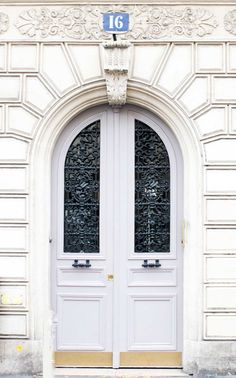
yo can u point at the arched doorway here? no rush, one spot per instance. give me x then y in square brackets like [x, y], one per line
[117, 256]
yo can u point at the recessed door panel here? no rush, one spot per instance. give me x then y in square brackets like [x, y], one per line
[83, 322]
[143, 277]
[151, 323]
[117, 261]
[68, 276]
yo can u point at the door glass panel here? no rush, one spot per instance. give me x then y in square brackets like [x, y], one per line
[81, 192]
[152, 191]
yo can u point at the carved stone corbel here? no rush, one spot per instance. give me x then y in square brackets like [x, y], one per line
[116, 67]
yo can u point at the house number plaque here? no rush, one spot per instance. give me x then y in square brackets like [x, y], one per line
[116, 22]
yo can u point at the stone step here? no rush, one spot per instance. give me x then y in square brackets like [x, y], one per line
[121, 373]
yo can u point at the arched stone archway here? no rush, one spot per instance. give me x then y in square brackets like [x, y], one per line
[48, 132]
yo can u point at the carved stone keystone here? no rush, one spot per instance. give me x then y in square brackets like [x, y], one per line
[116, 66]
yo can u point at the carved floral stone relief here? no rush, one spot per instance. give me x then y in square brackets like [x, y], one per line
[230, 22]
[167, 22]
[4, 22]
[147, 22]
[78, 23]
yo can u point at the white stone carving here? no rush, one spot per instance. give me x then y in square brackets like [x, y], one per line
[116, 88]
[230, 22]
[116, 71]
[4, 22]
[146, 22]
[158, 22]
[77, 22]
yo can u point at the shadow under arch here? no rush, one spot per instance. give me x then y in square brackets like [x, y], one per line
[52, 125]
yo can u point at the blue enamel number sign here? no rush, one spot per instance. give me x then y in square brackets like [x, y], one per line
[116, 22]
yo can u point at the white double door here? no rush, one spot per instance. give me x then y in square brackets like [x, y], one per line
[117, 312]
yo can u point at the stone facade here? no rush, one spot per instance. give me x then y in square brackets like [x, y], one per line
[54, 55]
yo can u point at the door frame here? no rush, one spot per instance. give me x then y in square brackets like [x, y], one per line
[40, 187]
[107, 115]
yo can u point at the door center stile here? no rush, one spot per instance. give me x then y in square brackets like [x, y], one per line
[116, 115]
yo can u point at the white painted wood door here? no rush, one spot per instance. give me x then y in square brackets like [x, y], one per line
[137, 316]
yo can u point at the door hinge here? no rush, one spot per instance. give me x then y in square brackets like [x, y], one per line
[184, 233]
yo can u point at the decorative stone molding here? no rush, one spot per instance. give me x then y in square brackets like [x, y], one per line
[230, 22]
[116, 68]
[158, 22]
[146, 22]
[4, 22]
[78, 22]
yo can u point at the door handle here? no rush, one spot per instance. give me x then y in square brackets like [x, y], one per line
[146, 264]
[81, 265]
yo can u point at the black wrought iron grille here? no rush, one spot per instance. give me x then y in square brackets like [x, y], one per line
[152, 191]
[81, 192]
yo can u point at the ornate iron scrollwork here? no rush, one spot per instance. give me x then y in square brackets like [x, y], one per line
[152, 191]
[81, 192]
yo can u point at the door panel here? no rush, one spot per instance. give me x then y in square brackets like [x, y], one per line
[150, 297]
[87, 333]
[151, 322]
[143, 277]
[68, 276]
[84, 307]
[121, 310]
[83, 302]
